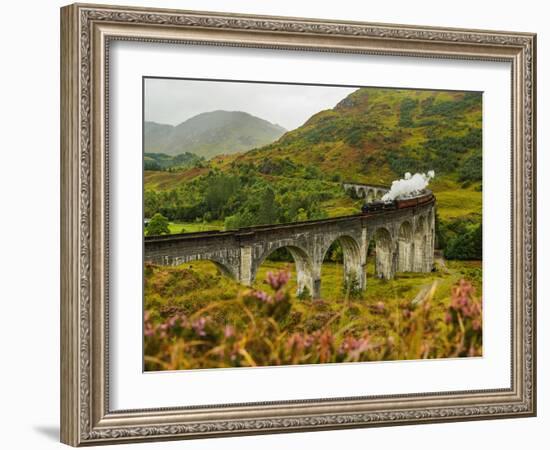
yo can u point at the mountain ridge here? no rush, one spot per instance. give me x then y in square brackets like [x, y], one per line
[211, 133]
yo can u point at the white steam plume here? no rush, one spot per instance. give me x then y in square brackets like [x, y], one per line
[410, 186]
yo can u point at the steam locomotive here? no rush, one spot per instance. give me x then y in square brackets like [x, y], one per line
[381, 206]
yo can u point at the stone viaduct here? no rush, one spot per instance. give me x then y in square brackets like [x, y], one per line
[369, 192]
[404, 242]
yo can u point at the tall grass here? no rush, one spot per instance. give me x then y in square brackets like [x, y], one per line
[268, 326]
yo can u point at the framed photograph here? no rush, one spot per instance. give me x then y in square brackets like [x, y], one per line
[274, 224]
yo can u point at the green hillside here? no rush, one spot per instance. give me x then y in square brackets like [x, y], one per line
[375, 135]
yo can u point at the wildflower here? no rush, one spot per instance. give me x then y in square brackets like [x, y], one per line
[295, 343]
[277, 280]
[279, 296]
[263, 296]
[148, 329]
[325, 346]
[229, 331]
[198, 326]
[466, 309]
[148, 332]
[308, 341]
[353, 347]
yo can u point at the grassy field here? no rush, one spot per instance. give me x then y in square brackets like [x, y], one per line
[210, 284]
[457, 203]
[193, 227]
[168, 180]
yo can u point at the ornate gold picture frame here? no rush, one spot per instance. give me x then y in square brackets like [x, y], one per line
[87, 32]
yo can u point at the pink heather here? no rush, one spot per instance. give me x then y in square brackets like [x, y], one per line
[277, 280]
[198, 326]
[229, 331]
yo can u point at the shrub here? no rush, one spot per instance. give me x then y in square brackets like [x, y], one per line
[351, 287]
[305, 294]
[449, 107]
[466, 245]
[472, 169]
[157, 225]
[408, 105]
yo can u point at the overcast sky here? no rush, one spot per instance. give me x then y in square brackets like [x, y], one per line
[174, 101]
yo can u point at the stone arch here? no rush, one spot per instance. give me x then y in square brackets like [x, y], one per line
[370, 196]
[354, 262]
[385, 259]
[223, 268]
[302, 261]
[405, 247]
[379, 194]
[420, 245]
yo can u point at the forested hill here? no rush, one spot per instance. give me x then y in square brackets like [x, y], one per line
[210, 134]
[375, 135]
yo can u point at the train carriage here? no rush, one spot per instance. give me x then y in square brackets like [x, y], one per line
[399, 203]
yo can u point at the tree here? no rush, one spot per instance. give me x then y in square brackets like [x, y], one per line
[468, 245]
[312, 173]
[240, 220]
[336, 254]
[218, 193]
[472, 170]
[268, 210]
[405, 112]
[158, 225]
[302, 215]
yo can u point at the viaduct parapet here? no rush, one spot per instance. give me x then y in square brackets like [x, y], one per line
[404, 242]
